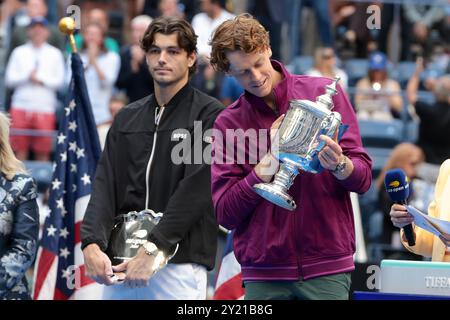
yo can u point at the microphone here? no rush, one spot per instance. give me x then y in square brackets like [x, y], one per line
[397, 187]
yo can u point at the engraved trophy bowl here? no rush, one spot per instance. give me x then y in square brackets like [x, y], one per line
[299, 144]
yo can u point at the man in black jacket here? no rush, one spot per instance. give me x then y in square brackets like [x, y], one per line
[139, 169]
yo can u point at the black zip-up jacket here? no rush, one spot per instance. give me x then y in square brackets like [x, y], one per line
[181, 191]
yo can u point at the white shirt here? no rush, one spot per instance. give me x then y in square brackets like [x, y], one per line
[100, 92]
[204, 27]
[48, 62]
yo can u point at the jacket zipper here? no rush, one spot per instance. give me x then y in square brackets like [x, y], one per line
[158, 116]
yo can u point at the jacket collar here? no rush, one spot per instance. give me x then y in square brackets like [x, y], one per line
[281, 91]
[177, 98]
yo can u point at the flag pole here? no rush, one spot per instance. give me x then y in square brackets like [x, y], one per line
[67, 26]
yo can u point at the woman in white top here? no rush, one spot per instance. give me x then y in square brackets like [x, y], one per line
[325, 66]
[377, 96]
[101, 71]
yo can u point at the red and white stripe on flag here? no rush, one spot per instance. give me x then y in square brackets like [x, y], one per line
[229, 279]
[46, 269]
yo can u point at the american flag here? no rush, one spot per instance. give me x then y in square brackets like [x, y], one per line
[59, 269]
[229, 279]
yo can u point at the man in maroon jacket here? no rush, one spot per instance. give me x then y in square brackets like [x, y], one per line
[307, 253]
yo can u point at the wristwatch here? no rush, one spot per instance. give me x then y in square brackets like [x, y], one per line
[150, 248]
[340, 168]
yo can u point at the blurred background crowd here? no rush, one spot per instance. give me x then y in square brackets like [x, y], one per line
[393, 66]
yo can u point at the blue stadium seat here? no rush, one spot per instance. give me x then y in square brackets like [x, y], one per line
[41, 171]
[403, 72]
[379, 157]
[412, 131]
[368, 203]
[381, 134]
[300, 64]
[356, 69]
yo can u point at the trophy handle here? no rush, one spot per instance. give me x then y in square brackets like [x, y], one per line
[328, 127]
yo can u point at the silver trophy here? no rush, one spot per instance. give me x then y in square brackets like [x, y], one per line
[299, 143]
[130, 231]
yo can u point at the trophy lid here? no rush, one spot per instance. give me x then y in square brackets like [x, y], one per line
[330, 91]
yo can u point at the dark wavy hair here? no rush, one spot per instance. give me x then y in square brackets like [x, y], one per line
[187, 39]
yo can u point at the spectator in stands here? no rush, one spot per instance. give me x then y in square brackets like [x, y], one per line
[323, 22]
[204, 23]
[35, 71]
[325, 66]
[206, 79]
[134, 76]
[434, 128]
[377, 96]
[8, 10]
[101, 71]
[423, 19]
[271, 14]
[437, 65]
[19, 220]
[170, 8]
[148, 7]
[427, 244]
[99, 17]
[405, 156]
[390, 14]
[353, 37]
[117, 102]
[231, 90]
[33, 9]
[151, 8]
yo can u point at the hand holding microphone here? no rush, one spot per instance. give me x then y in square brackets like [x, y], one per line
[400, 216]
[397, 187]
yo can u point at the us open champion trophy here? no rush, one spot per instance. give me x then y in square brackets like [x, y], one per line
[299, 143]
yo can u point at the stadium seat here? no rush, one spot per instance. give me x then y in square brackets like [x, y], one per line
[379, 157]
[42, 172]
[403, 72]
[300, 64]
[381, 134]
[369, 206]
[412, 131]
[356, 69]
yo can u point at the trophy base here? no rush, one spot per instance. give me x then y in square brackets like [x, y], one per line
[275, 195]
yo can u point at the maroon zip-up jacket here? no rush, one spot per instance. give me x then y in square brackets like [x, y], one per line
[272, 243]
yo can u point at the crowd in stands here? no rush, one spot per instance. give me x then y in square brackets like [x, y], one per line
[396, 76]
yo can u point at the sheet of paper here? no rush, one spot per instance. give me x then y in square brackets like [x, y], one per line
[435, 226]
